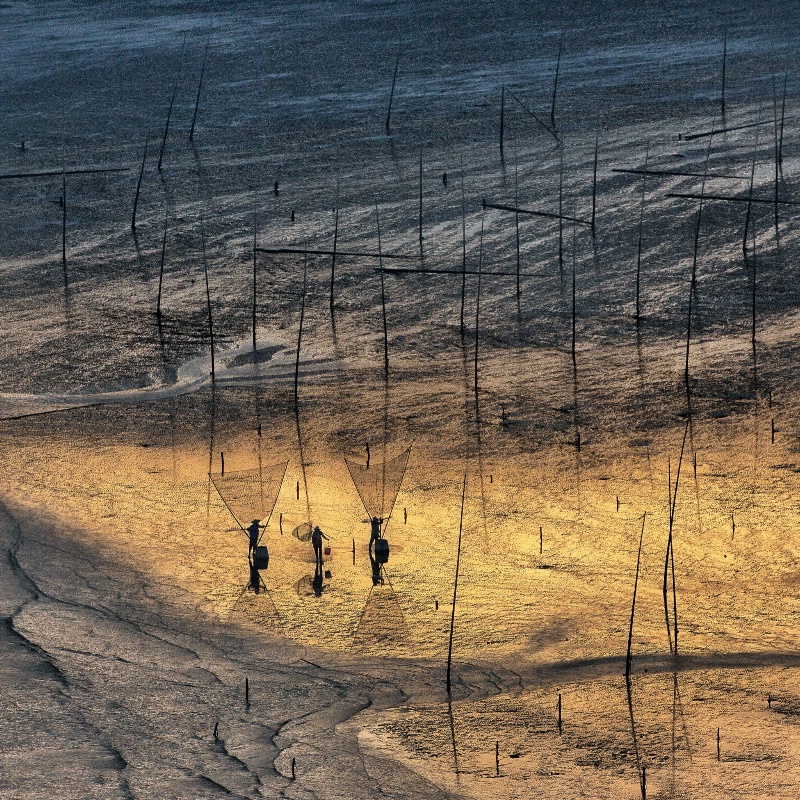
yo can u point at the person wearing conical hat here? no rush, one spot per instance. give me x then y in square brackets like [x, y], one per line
[253, 531]
[316, 540]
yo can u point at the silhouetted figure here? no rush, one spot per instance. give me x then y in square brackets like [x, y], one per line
[376, 570]
[292, 215]
[444, 180]
[316, 540]
[275, 190]
[255, 580]
[316, 583]
[253, 532]
[375, 530]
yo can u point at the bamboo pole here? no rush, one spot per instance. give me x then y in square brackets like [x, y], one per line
[138, 187]
[633, 604]
[724, 63]
[594, 181]
[333, 253]
[64, 224]
[199, 90]
[391, 94]
[255, 284]
[455, 589]
[208, 297]
[463, 247]
[166, 126]
[532, 114]
[535, 213]
[161, 268]
[421, 255]
[478, 309]
[383, 305]
[502, 118]
[639, 246]
[555, 83]
[300, 338]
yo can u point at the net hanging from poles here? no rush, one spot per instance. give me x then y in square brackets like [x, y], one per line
[378, 484]
[251, 493]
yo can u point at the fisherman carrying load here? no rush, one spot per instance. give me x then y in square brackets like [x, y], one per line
[254, 533]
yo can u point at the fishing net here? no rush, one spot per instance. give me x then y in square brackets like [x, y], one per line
[378, 484]
[382, 628]
[303, 532]
[251, 493]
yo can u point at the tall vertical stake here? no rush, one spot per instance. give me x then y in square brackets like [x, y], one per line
[208, 296]
[724, 62]
[138, 187]
[299, 341]
[335, 242]
[420, 202]
[555, 83]
[166, 126]
[383, 301]
[455, 587]
[161, 268]
[64, 221]
[391, 94]
[463, 247]
[199, 90]
[633, 604]
[255, 276]
[594, 180]
[502, 118]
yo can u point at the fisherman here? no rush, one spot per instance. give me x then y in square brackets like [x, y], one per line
[253, 533]
[375, 530]
[316, 540]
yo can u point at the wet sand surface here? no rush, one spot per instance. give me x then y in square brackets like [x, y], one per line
[130, 625]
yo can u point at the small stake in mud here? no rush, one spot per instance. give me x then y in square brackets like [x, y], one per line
[718, 758]
[354, 552]
[772, 425]
[297, 490]
[540, 540]
[293, 768]
[769, 701]
[733, 527]
[405, 516]
[644, 782]
[247, 693]
[559, 714]
[222, 462]
[367, 455]
[497, 758]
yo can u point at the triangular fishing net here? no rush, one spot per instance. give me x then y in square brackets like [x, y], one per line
[378, 484]
[382, 627]
[251, 493]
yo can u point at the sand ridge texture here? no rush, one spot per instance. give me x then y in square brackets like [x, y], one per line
[510, 356]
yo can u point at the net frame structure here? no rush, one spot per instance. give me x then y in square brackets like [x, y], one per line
[251, 493]
[374, 486]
